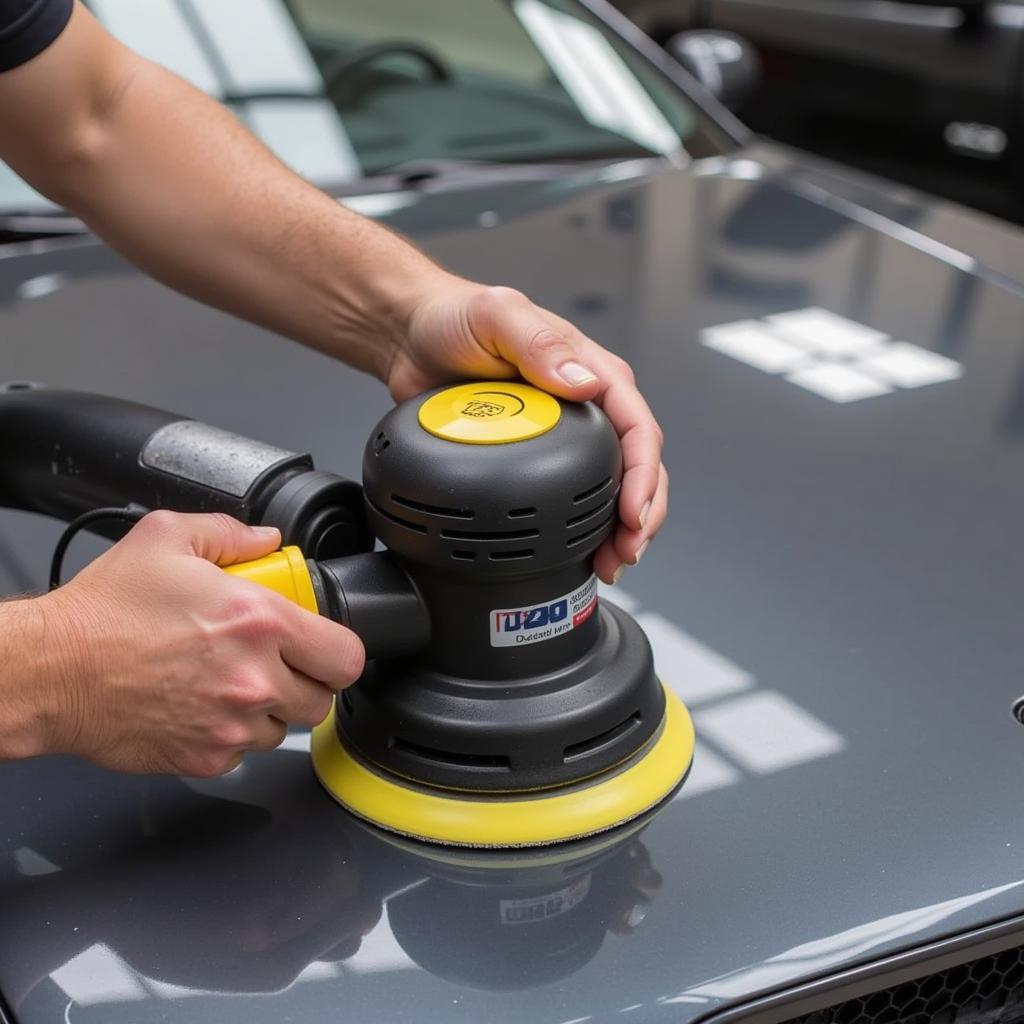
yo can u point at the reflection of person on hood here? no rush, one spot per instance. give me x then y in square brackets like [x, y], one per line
[219, 893]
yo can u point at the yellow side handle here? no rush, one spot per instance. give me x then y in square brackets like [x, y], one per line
[285, 572]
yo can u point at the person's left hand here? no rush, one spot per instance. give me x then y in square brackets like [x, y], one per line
[467, 330]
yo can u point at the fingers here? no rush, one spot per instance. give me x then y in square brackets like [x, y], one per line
[630, 545]
[514, 329]
[626, 546]
[640, 434]
[268, 733]
[643, 499]
[554, 355]
[214, 536]
[301, 700]
[319, 648]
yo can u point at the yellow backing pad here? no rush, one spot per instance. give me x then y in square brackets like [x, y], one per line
[536, 819]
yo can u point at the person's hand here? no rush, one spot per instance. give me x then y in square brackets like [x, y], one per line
[168, 664]
[466, 330]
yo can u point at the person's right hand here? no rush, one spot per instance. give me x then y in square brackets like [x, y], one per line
[168, 664]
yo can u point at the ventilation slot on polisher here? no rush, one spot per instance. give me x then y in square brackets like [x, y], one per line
[587, 534]
[575, 751]
[584, 516]
[510, 556]
[397, 520]
[591, 492]
[496, 535]
[432, 510]
[451, 758]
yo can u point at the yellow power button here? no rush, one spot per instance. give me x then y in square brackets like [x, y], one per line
[489, 412]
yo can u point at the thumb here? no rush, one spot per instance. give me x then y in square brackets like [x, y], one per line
[543, 354]
[214, 536]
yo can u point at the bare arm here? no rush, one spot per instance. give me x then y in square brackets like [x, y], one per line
[174, 181]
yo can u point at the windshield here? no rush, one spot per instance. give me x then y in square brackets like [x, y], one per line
[345, 89]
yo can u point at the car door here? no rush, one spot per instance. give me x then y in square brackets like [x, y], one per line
[923, 92]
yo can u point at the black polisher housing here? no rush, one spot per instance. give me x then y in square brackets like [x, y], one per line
[481, 528]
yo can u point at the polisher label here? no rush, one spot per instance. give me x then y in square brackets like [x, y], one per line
[511, 627]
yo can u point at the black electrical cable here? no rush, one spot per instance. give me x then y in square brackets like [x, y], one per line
[129, 514]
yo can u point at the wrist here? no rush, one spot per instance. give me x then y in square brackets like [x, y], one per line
[400, 299]
[67, 670]
[31, 680]
[371, 306]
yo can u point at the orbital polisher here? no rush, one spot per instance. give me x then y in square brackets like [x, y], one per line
[502, 704]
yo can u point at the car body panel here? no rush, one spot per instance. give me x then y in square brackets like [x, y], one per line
[836, 594]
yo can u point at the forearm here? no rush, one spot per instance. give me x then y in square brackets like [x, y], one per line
[176, 183]
[201, 204]
[31, 656]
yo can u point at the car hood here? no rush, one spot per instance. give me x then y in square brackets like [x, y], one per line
[837, 596]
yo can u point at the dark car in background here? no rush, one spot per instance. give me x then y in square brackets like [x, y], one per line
[930, 93]
[838, 366]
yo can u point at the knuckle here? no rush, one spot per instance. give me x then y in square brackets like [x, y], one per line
[250, 691]
[252, 616]
[230, 735]
[500, 295]
[222, 522]
[545, 340]
[622, 369]
[160, 521]
[490, 302]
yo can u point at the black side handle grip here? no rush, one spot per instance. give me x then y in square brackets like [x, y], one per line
[63, 453]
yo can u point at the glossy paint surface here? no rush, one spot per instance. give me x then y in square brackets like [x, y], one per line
[837, 596]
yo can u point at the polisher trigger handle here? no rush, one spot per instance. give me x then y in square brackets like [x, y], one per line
[367, 593]
[285, 572]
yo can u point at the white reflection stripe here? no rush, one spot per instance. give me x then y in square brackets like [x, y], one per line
[28, 862]
[708, 772]
[766, 731]
[98, 975]
[617, 596]
[695, 671]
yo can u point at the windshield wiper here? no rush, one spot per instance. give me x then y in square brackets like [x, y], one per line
[420, 172]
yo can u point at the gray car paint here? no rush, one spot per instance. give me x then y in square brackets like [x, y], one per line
[854, 570]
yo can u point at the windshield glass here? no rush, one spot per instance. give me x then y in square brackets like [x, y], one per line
[345, 89]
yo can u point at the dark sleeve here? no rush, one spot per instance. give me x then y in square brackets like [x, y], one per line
[27, 27]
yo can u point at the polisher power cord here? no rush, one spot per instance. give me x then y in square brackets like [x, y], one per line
[130, 514]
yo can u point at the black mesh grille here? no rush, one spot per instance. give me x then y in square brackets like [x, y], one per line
[989, 990]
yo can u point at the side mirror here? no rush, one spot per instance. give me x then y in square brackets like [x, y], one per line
[724, 63]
